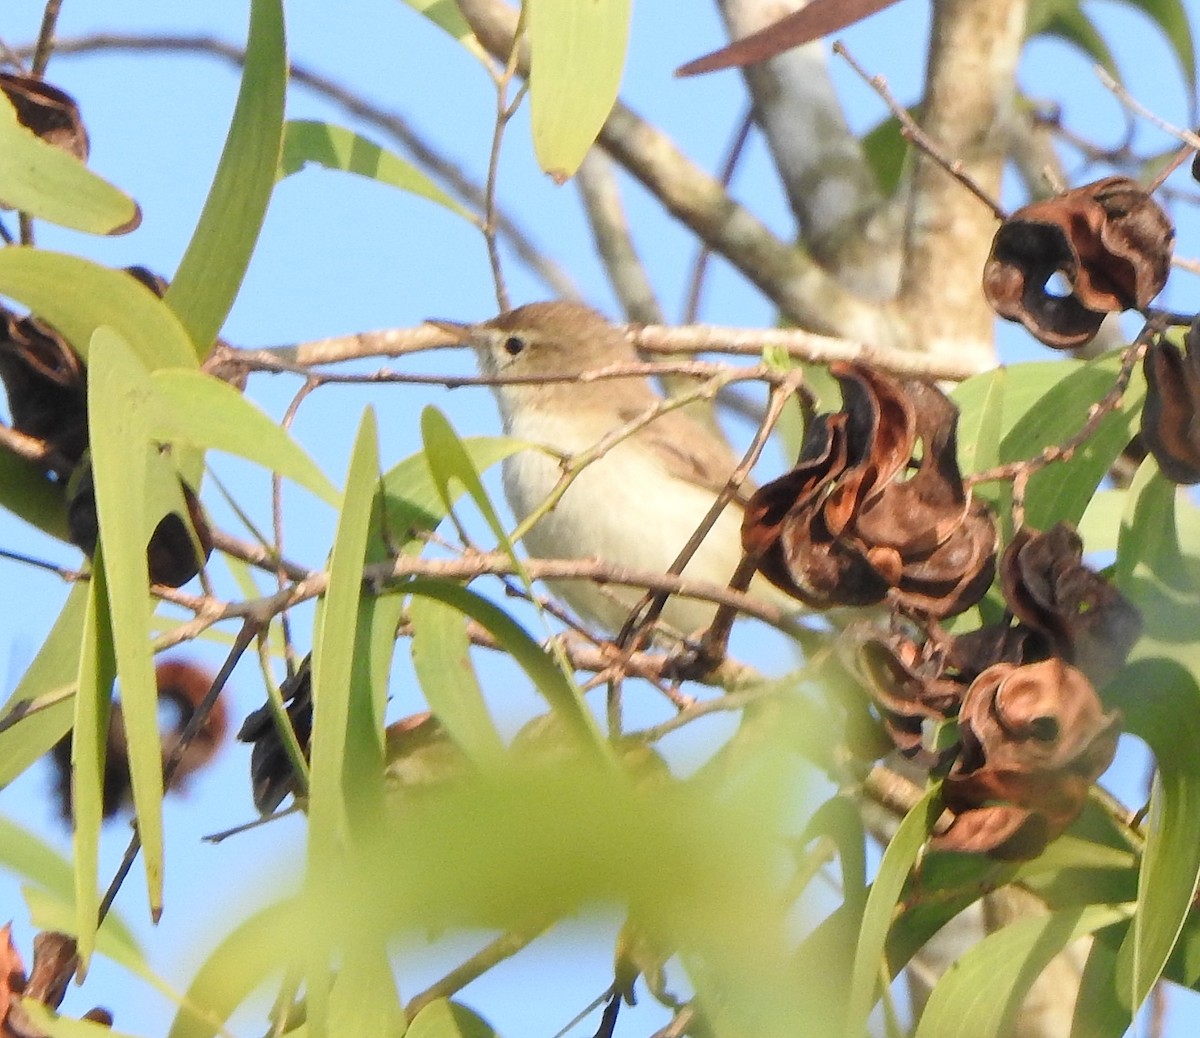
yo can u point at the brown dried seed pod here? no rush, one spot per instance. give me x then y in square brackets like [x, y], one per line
[1034, 739]
[49, 112]
[1111, 242]
[848, 526]
[1170, 428]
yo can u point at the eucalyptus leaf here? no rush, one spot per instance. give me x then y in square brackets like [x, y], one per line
[47, 182]
[211, 271]
[577, 56]
[337, 148]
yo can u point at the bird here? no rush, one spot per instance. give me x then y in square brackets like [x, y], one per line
[635, 505]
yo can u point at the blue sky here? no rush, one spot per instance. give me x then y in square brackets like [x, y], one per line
[339, 255]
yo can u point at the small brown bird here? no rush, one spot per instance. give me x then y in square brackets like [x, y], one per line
[637, 504]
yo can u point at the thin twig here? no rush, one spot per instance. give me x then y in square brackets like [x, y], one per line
[1135, 106]
[919, 138]
[245, 636]
[45, 41]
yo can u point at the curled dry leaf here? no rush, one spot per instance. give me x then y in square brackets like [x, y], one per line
[1170, 428]
[47, 111]
[182, 685]
[1034, 739]
[1109, 240]
[852, 524]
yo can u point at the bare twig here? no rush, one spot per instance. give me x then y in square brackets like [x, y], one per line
[917, 136]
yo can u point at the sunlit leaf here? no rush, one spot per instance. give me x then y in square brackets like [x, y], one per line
[577, 56]
[980, 993]
[446, 16]
[336, 147]
[902, 851]
[211, 271]
[126, 467]
[562, 695]
[89, 746]
[1061, 491]
[1158, 568]
[981, 406]
[209, 413]
[97, 296]
[442, 661]
[48, 182]
[445, 1019]
[51, 675]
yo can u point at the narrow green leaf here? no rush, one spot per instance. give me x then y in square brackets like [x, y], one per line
[446, 16]
[561, 694]
[981, 403]
[364, 1000]
[211, 271]
[1158, 569]
[1100, 1011]
[335, 147]
[29, 495]
[980, 993]
[444, 1019]
[52, 674]
[1062, 490]
[898, 858]
[442, 660]
[244, 958]
[333, 657]
[415, 502]
[55, 910]
[120, 395]
[208, 413]
[78, 296]
[840, 819]
[577, 56]
[55, 1026]
[89, 747]
[47, 182]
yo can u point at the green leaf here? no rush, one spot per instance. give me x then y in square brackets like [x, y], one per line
[78, 296]
[51, 678]
[1158, 569]
[129, 473]
[442, 660]
[577, 53]
[89, 747]
[211, 271]
[415, 502]
[334, 739]
[338, 148]
[244, 958]
[981, 413]
[898, 858]
[1099, 1009]
[1061, 490]
[206, 412]
[55, 910]
[886, 151]
[980, 993]
[47, 182]
[445, 1019]
[562, 694]
[55, 1026]
[30, 495]
[446, 16]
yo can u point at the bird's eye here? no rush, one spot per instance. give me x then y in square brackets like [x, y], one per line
[513, 345]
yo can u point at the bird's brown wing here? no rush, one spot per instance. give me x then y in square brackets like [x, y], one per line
[692, 453]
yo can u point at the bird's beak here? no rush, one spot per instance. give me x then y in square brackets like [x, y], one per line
[458, 332]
